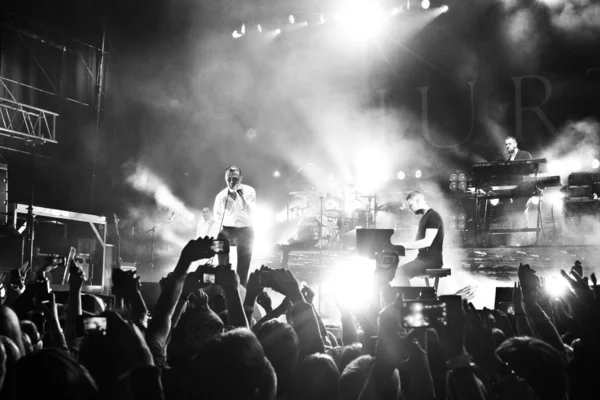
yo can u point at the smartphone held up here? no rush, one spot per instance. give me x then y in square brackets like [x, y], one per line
[87, 325]
[424, 313]
[220, 246]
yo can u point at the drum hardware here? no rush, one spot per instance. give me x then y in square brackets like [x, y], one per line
[302, 193]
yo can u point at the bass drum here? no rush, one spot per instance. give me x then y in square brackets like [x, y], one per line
[309, 231]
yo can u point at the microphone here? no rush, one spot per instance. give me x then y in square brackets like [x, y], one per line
[240, 192]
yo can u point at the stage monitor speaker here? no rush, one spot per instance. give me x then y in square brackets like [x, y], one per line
[3, 194]
[503, 295]
[11, 248]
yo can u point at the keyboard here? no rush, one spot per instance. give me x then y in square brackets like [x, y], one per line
[484, 171]
[518, 186]
[506, 164]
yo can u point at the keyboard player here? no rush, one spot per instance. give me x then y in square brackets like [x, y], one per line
[520, 208]
[513, 152]
[429, 240]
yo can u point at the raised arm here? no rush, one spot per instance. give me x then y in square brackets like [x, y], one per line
[160, 325]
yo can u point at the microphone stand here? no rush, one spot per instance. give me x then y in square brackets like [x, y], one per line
[153, 231]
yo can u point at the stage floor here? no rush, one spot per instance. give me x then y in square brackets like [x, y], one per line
[342, 275]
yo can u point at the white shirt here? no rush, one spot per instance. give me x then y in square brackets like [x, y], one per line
[235, 214]
[208, 228]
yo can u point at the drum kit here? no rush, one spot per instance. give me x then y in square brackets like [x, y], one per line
[323, 218]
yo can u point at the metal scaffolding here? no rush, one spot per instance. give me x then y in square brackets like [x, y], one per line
[24, 122]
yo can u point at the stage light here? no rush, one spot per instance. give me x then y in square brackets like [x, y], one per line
[453, 223]
[396, 11]
[259, 28]
[556, 287]
[462, 177]
[276, 174]
[444, 8]
[462, 217]
[453, 186]
[595, 164]
[236, 34]
[461, 226]
[322, 19]
[362, 19]
[462, 186]
[425, 4]
[305, 23]
[494, 202]
[277, 31]
[292, 19]
[535, 200]
[453, 178]
[418, 174]
[401, 175]
[243, 30]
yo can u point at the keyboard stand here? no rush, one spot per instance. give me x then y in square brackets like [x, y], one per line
[482, 234]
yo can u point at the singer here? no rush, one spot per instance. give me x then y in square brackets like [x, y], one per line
[233, 210]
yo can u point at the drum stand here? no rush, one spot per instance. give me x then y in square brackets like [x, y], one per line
[371, 224]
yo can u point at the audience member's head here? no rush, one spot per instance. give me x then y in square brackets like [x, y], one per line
[195, 327]
[349, 354]
[281, 346]
[10, 327]
[30, 329]
[499, 336]
[51, 373]
[232, 366]
[354, 376]
[315, 378]
[26, 343]
[539, 364]
[12, 355]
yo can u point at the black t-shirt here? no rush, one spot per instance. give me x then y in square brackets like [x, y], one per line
[431, 220]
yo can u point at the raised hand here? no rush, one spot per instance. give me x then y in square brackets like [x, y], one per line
[284, 307]
[125, 283]
[287, 285]
[16, 281]
[502, 322]
[579, 284]
[254, 285]
[530, 283]
[265, 301]
[196, 249]
[193, 283]
[479, 341]
[308, 294]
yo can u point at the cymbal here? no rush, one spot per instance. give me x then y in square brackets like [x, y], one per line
[303, 193]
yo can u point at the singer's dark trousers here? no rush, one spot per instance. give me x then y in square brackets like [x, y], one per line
[243, 239]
